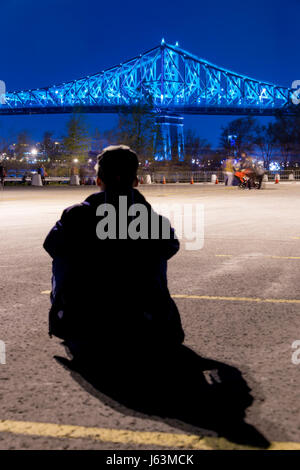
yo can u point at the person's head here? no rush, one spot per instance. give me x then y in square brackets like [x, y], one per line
[116, 168]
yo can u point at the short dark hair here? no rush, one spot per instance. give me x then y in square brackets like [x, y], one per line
[117, 166]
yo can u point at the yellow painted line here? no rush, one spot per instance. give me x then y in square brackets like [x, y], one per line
[128, 437]
[264, 256]
[229, 299]
[221, 256]
[236, 299]
[10, 199]
[164, 195]
[283, 257]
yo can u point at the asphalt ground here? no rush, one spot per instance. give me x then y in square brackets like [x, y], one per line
[239, 301]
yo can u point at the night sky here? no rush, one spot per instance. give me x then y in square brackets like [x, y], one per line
[51, 41]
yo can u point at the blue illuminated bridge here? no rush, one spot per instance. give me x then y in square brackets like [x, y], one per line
[170, 79]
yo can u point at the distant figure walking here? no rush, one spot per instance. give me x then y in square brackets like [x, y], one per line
[248, 167]
[2, 176]
[260, 173]
[228, 171]
[41, 171]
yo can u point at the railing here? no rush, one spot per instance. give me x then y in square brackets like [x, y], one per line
[205, 176]
[284, 175]
[185, 176]
[48, 179]
[170, 177]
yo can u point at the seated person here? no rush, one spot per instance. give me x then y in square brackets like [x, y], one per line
[109, 283]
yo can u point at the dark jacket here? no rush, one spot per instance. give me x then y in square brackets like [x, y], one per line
[112, 288]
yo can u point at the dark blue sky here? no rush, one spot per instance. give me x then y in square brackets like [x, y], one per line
[50, 41]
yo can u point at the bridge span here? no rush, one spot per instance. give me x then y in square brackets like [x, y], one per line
[168, 79]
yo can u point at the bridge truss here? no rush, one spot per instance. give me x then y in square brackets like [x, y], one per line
[172, 81]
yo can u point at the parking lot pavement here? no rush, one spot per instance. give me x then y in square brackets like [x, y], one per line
[238, 297]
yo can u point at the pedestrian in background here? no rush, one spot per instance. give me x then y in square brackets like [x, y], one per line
[228, 171]
[2, 175]
[41, 171]
[260, 173]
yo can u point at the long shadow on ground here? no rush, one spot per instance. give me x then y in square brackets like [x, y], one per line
[179, 387]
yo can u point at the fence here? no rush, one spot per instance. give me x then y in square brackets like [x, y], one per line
[185, 176]
[169, 176]
[284, 175]
[205, 176]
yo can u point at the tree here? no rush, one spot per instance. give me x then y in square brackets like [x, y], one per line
[136, 129]
[286, 135]
[244, 130]
[212, 160]
[76, 142]
[53, 151]
[195, 147]
[22, 145]
[47, 146]
[99, 141]
[265, 139]
[4, 147]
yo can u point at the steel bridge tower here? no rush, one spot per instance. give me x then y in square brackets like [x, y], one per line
[169, 141]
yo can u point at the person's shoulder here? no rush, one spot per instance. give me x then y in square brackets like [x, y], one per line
[139, 197]
[83, 208]
[94, 199]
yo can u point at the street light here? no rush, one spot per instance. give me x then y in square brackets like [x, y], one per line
[34, 151]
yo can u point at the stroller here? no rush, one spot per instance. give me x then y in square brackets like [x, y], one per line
[246, 179]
